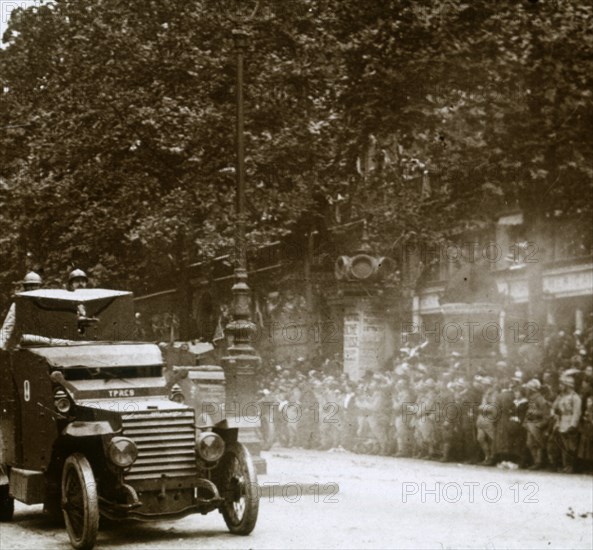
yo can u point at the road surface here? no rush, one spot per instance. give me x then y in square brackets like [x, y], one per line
[357, 501]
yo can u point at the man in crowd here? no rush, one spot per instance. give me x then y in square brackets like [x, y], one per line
[567, 411]
[426, 432]
[403, 410]
[487, 413]
[350, 416]
[449, 416]
[536, 422]
[330, 415]
[375, 409]
[585, 450]
[308, 432]
[469, 400]
[505, 410]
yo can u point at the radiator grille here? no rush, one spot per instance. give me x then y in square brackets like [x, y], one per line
[166, 443]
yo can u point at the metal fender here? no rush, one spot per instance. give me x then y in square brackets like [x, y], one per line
[86, 429]
[229, 434]
[3, 475]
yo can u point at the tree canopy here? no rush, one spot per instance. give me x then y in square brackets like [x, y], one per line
[119, 132]
[118, 124]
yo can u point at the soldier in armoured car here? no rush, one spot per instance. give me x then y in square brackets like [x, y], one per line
[32, 281]
[77, 279]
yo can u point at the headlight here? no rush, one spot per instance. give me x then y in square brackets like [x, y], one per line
[210, 446]
[122, 451]
[61, 401]
[177, 395]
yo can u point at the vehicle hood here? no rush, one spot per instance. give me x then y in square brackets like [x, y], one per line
[101, 355]
[118, 388]
[130, 406]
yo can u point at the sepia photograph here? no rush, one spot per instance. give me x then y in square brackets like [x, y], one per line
[295, 274]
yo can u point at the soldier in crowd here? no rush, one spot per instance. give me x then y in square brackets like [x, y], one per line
[426, 432]
[536, 422]
[308, 435]
[281, 391]
[442, 427]
[451, 420]
[567, 411]
[469, 400]
[403, 402]
[374, 408]
[549, 388]
[324, 405]
[505, 410]
[350, 416]
[517, 430]
[487, 413]
[293, 411]
[330, 415]
[361, 400]
[380, 412]
[585, 450]
[417, 417]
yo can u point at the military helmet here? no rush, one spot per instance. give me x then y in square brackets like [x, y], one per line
[534, 385]
[32, 279]
[77, 274]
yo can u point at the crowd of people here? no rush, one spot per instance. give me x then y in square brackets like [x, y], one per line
[534, 416]
[431, 408]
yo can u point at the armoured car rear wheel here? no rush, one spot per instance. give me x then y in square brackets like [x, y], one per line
[6, 504]
[80, 503]
[53, 509]
[239, 489]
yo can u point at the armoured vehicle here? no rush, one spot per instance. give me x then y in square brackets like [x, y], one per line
[91, 427]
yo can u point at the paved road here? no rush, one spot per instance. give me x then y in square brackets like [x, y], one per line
[378, 503]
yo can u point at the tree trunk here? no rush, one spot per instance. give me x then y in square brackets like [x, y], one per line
[184, 292]
[535, 258]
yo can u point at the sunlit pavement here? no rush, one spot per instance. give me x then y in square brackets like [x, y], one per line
[314, 499]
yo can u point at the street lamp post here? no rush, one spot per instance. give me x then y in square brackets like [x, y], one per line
[239, 363]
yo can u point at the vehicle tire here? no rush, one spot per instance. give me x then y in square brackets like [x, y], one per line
[6, 504]
[239, 488]
[267, 437]
[80, 503]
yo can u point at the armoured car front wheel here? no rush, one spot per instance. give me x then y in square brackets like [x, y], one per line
[239, 489]
[6, 504]
[80, 503]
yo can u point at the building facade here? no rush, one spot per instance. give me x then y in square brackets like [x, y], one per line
[470, 296]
